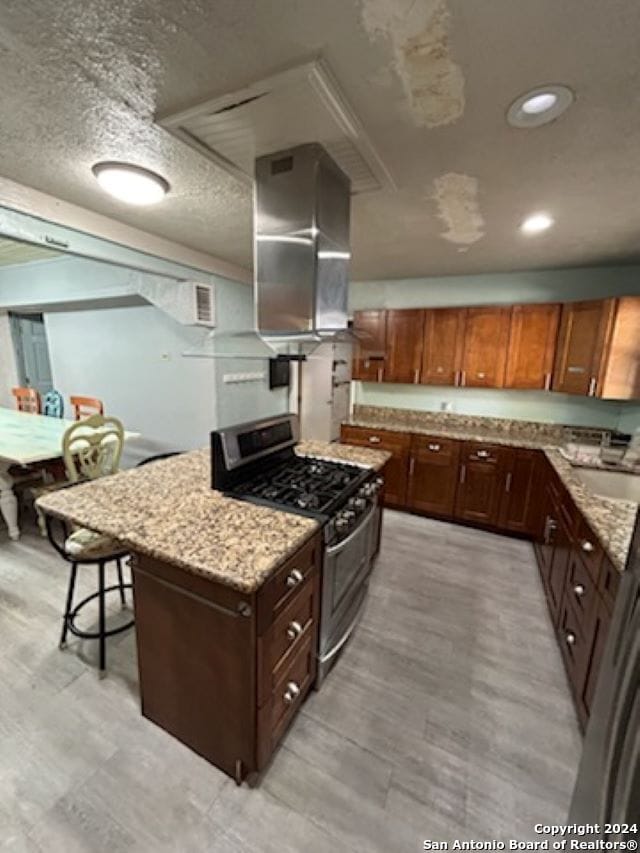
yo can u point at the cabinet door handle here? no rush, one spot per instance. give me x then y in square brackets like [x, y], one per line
[456, 378]
[379, 374]
[294, 577]
[412, 465]
[434, 447]
[547, 381]
[592, 387]
[570, 637]
[463, 473]
[294, 630]
[579, 590]
[463, 378]
[373, 439]
[291, 693]
[587, 546]
[416, 376]
[550, 527]
[507, 485]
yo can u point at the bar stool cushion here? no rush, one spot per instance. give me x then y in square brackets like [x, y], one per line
[85, 544]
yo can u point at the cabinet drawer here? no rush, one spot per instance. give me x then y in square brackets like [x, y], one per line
[581, 593]
[608, 583]
[292, 681]
[289, 631]
[381, 439]
[589, 548]
[574, 646]
[432, 446]
[287, 583]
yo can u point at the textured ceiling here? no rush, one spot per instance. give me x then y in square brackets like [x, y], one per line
[430, 80]
[13, 253]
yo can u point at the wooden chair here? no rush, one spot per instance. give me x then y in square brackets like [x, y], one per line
[91, 449]
[27, 400]
[85, 406]
[53, 404]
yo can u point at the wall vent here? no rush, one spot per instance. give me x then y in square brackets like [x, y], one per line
[203, 304]
[294, 107]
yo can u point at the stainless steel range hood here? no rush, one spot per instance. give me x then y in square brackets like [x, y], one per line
[301, 245]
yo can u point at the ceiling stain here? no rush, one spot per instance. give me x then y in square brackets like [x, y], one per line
[457, 198]
[419, 31]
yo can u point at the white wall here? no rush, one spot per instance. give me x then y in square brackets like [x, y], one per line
[131, 358]
[8, 368]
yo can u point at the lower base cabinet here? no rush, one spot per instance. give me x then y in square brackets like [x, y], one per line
[513, 490]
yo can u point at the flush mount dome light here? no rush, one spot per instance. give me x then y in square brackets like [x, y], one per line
[536, 223]
[539, 106]
[131, 184]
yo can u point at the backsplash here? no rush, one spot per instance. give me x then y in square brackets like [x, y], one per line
[539, 406]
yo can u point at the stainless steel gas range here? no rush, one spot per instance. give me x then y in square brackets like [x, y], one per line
[258, 462]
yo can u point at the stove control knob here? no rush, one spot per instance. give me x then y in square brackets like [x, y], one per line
[359, 504]
[379, 483]
[341, 523]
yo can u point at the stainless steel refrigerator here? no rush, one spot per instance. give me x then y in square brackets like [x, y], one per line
[607, 789]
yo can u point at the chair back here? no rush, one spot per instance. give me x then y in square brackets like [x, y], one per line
[53, 404]
[85, 406]
[27, 400]
[92, 448]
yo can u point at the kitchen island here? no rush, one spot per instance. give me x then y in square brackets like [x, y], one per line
[226, 600]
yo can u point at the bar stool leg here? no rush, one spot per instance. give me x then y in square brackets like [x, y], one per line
[101, 626]
[68, 605]
[123, 600]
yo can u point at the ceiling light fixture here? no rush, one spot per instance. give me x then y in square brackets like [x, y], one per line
[536, 223]
[131, 184]
[540, 106]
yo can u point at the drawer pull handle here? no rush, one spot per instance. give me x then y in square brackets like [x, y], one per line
[570, 637]
[579, 590]
[483, 454]
[291, 693]
[294, 578]
[587, 546]
[434, 447]
[294, 630]
[373, 439]
[481, 374]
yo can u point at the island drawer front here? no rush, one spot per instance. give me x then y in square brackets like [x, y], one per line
[287, 582]
[292, 683]
[288, 632]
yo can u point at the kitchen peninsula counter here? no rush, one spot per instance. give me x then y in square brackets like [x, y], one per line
[168, 510]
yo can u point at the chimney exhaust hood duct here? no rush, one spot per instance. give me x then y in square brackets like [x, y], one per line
[301, 245]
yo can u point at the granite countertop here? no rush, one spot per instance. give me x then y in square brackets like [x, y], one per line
[611, 520]
[168, 510]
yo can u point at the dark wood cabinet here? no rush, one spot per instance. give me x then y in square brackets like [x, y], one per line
[433, 475]
[442, 346]
[519, 507]
[480, 483]
[397, 468]
[532, 342]
[484, 354]
[369, 328]
[404, 345]
[584, 328]
[599, 633]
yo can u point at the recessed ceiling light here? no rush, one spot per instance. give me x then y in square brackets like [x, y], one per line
[536, 223]
[131, 184]
[539, 106]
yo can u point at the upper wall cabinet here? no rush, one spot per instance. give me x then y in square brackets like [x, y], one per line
[532, 343]
[619, 377]
[404, 345]
[484, 354]
[442, 346]
[369, 353]
[584, 329]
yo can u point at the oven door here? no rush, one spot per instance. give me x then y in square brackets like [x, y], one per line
[345, 571]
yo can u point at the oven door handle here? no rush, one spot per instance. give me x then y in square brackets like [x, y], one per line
[336, 549]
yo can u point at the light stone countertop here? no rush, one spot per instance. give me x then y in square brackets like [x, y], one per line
[611, 520]
[168, 510]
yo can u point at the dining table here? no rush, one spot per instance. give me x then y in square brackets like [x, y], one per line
[27, 439]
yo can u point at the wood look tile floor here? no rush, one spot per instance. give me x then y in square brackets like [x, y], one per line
[448, 716]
